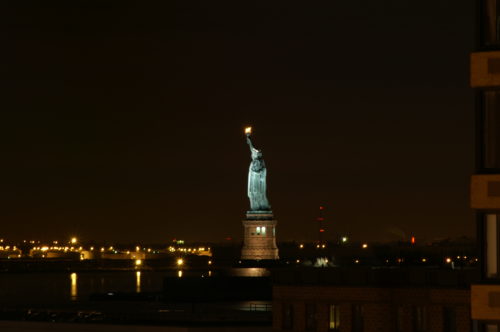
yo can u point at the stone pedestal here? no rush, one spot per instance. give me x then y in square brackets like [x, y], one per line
[260, 236]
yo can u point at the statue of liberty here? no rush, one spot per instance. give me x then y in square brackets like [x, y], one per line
[256, 178]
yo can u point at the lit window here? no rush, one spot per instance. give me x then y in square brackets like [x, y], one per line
[258, 230]
[491, 238]
[334, 317]
[263, 230]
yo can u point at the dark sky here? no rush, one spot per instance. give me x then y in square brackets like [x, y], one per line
[123, 120]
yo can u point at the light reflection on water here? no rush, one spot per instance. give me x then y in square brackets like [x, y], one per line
[83, 284]
[138, 282]
[52, 288]
[249, 272]
[74, 286]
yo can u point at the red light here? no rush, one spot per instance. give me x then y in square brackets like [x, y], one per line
[321, 230]
[229, 238]
[412, 240]
[321, 207]
[321, 219]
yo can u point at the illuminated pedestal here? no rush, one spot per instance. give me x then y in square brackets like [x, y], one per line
[260, 236]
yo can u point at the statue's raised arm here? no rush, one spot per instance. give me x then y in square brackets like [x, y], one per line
[249, 142]
[248, 132]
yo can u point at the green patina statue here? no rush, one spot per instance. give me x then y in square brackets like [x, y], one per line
[257, 179]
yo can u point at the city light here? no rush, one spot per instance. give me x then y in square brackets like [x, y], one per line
[74, 240]
[248, 130]
[40, 250]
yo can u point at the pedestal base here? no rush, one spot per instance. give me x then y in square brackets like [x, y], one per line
[260, 236]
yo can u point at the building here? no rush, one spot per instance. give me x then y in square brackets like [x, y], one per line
[372, 300]
[485, 183]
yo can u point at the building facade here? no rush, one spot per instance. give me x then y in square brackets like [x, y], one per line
[367, 300]
[485, 183]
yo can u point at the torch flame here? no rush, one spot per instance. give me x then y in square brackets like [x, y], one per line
[248, 130]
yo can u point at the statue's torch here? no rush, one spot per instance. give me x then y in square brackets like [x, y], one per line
[248, 131]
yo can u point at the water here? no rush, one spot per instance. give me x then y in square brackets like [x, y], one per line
[63, 288]
[66, 297]
[55, 288]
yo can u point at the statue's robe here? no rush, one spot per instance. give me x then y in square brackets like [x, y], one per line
[257, 184]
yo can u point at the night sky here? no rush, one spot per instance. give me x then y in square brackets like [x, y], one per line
[123, 121]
